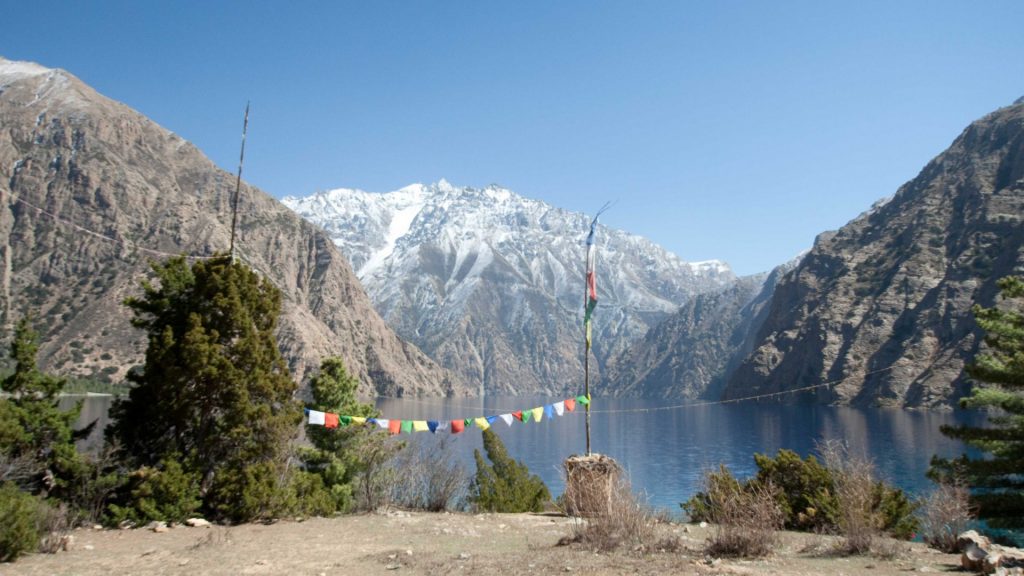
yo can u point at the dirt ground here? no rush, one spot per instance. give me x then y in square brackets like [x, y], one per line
[425, 543]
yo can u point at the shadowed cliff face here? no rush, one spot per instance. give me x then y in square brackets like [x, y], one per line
[884, 303]
[91, 191]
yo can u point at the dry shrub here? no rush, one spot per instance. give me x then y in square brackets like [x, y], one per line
[427, 476]
[854, 477]
[625, 519]
[55, 525]
[945, 513]
[746, 519]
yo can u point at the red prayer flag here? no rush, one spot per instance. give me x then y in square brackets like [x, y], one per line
[518, 415]
[394, 427]
[331, 420]
[570, 404]
[458, 426]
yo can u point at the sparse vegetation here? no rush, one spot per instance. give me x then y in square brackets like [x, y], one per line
[842, 497]
[627, 521]
[427, 476]
[945, 513]
[746, 518]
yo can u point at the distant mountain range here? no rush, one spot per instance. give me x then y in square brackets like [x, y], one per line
[485, 286]
[91, 190]
[490, 284]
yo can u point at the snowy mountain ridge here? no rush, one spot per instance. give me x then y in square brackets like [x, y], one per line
[441, 262]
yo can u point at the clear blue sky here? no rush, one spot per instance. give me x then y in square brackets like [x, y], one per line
[729, 130]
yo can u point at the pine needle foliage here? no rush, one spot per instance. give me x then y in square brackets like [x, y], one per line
[336, 452]
[504, 484]
[997, 480]
[214, 388]
[34, 431]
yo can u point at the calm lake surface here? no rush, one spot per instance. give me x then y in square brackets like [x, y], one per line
[665, 452]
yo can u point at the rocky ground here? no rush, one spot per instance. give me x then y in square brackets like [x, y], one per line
[425, 543]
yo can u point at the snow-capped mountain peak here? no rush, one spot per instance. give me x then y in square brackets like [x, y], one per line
[477, 276]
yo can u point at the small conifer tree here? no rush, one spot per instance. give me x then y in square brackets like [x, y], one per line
[505, 485]
[996, 481]
[214, 390]
[335, 453]
[35, 434]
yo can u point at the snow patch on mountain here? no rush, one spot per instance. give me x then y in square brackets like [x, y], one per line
[465, 271]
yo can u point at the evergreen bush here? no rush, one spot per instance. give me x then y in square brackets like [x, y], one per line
[21, 514]
[166, 493]
[807, 495]
[504, 484]
[337, 453]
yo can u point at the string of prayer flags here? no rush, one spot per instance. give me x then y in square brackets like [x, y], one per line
[393, 426]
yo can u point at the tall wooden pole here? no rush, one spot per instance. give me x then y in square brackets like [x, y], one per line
[238, 185]
[586, 390]
[589, 303]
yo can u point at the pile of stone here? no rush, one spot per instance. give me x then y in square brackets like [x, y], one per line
[980, 555]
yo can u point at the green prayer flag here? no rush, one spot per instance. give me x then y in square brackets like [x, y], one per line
[345, 420]
[583, 399]
[407, 426]
[527, 414]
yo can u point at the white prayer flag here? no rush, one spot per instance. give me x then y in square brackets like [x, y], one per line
[506, 418]
[559, 407]
[383, 423]
[317, 417]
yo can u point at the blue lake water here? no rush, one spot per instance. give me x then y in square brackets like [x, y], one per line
[665, 452]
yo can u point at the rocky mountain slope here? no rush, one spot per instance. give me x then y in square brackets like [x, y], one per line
[883, 305]
[490, 284]
[91, 190]
[693, 352]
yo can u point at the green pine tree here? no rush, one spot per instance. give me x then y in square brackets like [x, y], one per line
[505, 485]
[37, 438]
[996, 481]
[214, 389]
[335, 453]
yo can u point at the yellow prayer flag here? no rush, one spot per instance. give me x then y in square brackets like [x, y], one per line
[482, 423]
[358, 420]
[420, 426]
[538, 413]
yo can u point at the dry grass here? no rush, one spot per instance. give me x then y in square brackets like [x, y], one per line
[55, 526]
[859, 524]
[746, 520]
[945, 513]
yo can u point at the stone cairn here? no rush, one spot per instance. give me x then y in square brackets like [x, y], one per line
[589, 484]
